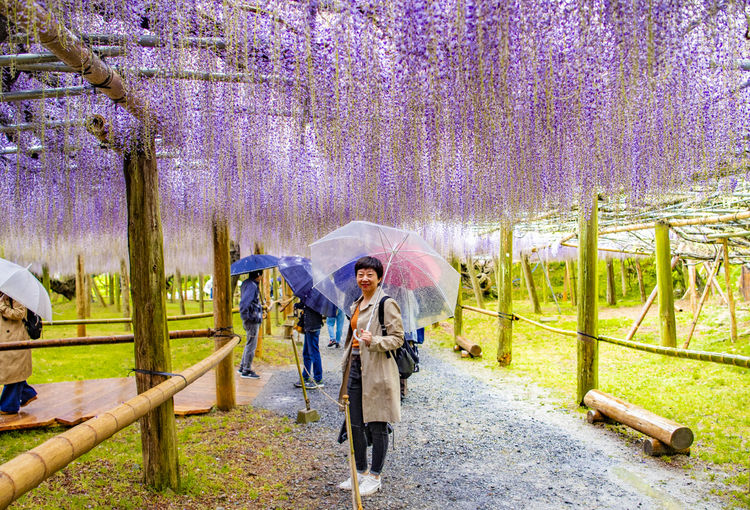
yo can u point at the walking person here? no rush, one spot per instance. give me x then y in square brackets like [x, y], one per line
[371, 376]
[251, 312]
[15, 366]
[335, 328]
[312, 321]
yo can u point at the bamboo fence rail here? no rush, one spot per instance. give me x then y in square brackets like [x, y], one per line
[735, 360]
[26, 471]
[123, 320]
[97, 340]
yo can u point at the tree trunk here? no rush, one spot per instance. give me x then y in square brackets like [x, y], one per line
[529, 279]
[730, 295]
[152, 353]
[125, 291]
[80, 294]
[588, 299]
[45, 279]
[225, 389]
[667, 323]
[611, 292]
[623, 277]
[505, 296]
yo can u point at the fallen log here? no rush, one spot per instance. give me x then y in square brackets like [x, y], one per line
[656, 448]
[665, 430]
[469, 346]
[595, 416]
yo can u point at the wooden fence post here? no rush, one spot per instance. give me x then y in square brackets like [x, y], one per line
[116, 279]
[125, 291]
[611, 292]
[588, 302]
[201, 299]
[225, 388]
[80, 294]
[641, 286]
[667, 323]
[152, 353]
[275, 280]
[458, 311]
[505, 295]
[45, 279]
[623, 278]
[111, 288]
[267, 299]
[529, 279]
[730, 294]
[177, 285]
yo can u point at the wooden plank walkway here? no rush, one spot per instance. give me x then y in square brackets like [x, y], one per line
[70, 403]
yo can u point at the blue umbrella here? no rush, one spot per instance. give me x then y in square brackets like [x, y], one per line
[253, 263]
[297, 271]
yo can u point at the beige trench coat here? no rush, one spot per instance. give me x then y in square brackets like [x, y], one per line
[381, 394]
[15, 366]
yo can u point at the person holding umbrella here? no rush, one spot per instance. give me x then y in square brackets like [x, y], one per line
[15, 366]
[370, 376]
[251, 312]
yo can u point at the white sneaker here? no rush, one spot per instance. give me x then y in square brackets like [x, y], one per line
[369, 485]
[346, 485]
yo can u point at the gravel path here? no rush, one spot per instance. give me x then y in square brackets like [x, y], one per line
[471, 440]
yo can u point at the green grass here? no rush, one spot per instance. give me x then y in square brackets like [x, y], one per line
[711, 399]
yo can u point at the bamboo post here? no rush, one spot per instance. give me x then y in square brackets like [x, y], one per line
[715, 284]
[623, 278]
[87, 301]
[529, 279]
[505, 296]
[566, 282]
[267, 297]
[611, 292]
[356, 499]
[730, 295]
[98, 293]
[646, 307]
[474, 282]
[458, 314]
[125, 291]
[570, 275]
[588, 314]
[693, 290]
[641, 287]
[178, 287]
[667, 323]
[111, 288]
[194, 283]
[704, 296]
[201, 297]
[80, 294]
[545, 274]
[277, 299]
[152, 353]
[225, 388]
[170, 293]
[45, 279]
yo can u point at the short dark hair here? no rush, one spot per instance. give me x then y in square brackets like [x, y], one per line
[368, 262]
[254, 274]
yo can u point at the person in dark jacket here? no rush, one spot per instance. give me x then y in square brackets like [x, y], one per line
[312, 321]
[251, 312]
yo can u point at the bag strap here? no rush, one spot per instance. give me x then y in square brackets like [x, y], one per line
[381, 315]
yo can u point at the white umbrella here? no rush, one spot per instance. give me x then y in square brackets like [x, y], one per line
[18, 283]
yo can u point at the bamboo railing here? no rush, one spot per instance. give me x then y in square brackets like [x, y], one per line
[735, 360]
[97, 340]
[26, 471]
[124, 320]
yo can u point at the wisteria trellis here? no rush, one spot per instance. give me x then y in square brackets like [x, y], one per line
[400, 112]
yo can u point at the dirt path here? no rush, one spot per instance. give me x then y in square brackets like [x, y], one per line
[471, 439]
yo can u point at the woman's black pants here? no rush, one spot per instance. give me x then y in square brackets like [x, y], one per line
[377, 429]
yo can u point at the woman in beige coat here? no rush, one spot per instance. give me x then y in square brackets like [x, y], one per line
[370, 374]
[15, 366]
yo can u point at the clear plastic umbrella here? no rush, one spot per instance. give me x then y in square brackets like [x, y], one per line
[18, 283]
[422, 282]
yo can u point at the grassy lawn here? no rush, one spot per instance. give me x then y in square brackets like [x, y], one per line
[216, 450]
[709, 398]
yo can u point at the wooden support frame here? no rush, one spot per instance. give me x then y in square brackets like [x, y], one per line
[530, 287]
[611, 291]
[704, 296]
[474, 281]
[225, 389]
[651, 298]
[80, 294]
[125, 291]
[641, 286]
[458, 314]
[505, 296]
[588, 302]
[667, 322]
[177, 286]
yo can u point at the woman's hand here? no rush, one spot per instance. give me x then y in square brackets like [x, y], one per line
[365, 337]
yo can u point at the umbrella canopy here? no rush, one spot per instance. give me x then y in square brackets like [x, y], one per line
[18, 283]
[297, 271]
[422, 282]
[253, 263]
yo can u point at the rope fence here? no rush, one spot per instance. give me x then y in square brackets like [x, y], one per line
[98, 340]
[26, 471]
[736, 360]
[127, 320]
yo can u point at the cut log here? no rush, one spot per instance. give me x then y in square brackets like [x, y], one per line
[656, 448]
[595, 416]
[678, 437]
[465, 354]
[469, 346]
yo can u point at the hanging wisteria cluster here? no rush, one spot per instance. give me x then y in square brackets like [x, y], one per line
[292, 118]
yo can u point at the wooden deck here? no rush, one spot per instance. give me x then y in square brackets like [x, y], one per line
[70, 403]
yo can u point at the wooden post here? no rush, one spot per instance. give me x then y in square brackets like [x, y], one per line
[201, 298]
[623, 277]
[641, 287]
[474, 282]
[225, 389]
[97, 292]
[730, 294]
[45, 279]
[177, 285]
[572, 287]
[275, 280]
[611, 292]
[195, 289]
[505, 295]
[87, 291]
[667, 323]
[80, 294]
[111, 288]
[529, 279]
[458, 311]
[706, 290]
[152, 353]
[693, 290]
[646, 307]
[745, 283]
[116, 280]
[588, 298]
[125, 291]
[267, 298]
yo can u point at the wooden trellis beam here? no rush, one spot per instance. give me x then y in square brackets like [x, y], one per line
[27, 95]
[20, 59]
